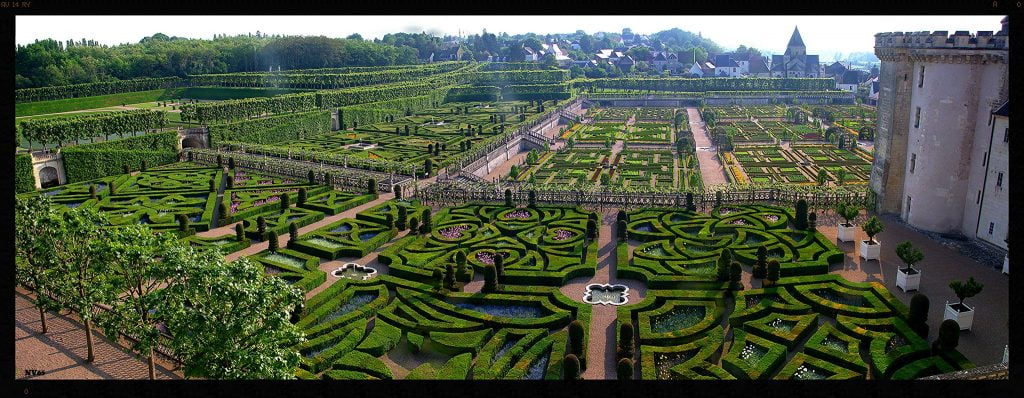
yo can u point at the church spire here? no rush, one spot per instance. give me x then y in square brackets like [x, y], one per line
[796, 45]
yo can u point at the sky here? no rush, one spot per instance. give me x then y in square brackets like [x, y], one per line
[822, 34]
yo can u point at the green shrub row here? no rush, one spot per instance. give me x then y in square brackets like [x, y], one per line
[268, 130]
[24, 178]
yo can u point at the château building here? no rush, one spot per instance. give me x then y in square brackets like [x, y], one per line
[941, 151]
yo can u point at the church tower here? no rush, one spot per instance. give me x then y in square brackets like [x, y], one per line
[796, 47]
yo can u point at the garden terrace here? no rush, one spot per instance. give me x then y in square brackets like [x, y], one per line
[742, 132]
[861, 112]
[599, 132]
[850, 331]
[390, 328]
[660, 114]
[612, 114]
[680, 248]
[648, 133]
[569, 167]
[799, 164]
[644, 169]
[541, 246]
[340, 176]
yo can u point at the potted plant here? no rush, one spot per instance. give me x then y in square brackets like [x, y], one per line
[908, 278]
[870, 249]
[960, 312]
[846, 231]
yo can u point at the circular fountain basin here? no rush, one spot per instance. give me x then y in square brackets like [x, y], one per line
[606, 294]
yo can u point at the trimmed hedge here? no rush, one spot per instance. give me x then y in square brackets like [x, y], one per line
[268, 130]
[24, 178]
[90, 161]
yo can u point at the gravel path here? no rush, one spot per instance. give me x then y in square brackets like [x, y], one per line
[711, 170]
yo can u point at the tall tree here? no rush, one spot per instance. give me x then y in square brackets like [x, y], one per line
[229, 320]
[33, 220]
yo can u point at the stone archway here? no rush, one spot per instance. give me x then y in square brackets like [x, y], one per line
[193, 141]
[48, 177]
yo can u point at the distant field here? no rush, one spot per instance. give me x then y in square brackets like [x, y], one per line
[103, 101]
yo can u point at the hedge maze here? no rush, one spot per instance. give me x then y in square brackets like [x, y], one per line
[677, 248]
[804, 328]
[539, 246]
[355, 329]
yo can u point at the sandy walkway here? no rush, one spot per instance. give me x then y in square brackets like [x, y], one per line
[711, 170]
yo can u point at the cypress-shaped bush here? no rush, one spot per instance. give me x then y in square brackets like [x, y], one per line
[273, 242]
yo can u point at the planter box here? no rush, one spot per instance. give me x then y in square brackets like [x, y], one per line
[1006, 264]
[870, 252]
[908, 281]
[964, 318]
[847, 234]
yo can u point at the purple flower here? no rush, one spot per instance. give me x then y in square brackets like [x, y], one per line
[485, 257]
[519, 214]
[453, 232]
[564, 234]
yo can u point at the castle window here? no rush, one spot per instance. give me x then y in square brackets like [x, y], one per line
[920, 80]
[978, 200]
[913, 161]
[991, 226]
[1006, 135]
[984, 159]
[917, 118]
[999, 180]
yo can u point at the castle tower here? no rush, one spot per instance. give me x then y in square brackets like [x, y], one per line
[796, 47]
[937, 94]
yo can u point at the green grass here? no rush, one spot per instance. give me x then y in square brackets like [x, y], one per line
[138, 97]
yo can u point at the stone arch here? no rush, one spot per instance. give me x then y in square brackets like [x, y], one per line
[193, 141]
[48, 177]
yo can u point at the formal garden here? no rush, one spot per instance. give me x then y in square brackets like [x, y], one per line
[807, 164]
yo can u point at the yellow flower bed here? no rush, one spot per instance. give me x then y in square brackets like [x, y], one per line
[729, 158]
[737, 175]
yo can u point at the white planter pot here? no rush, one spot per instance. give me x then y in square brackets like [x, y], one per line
[965, 319]
[847, 234]
[906, 281]
[1006, 264]
[870, 252]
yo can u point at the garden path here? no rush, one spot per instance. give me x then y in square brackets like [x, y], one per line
[601, 348]
[711, 170]
[61, 352]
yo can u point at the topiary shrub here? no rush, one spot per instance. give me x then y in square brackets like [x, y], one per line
[812, 221]
[760, 269]
[414, 224]
[591, 229]
[449, 276]
[490, 279]
[403, 218]
[508, 197]
[910, 256]
[231, 163]
[272, 239]
[303, 195]
[576, 340]
[142, 167]
[722, 270]
[847, 212]
[261, 227]
[965, 290]
[918, 317]
[622, 232]
[800, 221]
[949, 336]
[293, 235]
[772, 275]
[689, 202]
[735, 275]
[311, 177]
[499, 264]
[624, 369]
[532, 199]
[426, 226]
[371, 186]
[239, 232]
[398, 192]
[182, 222]
[285, 202]
[571, 367]
[92, 191]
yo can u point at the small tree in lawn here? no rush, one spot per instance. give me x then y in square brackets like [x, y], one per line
[919, 314]
[800, 222]
[371, 186]
[239, 232]
[624, 369]
[760, 268]
[724, 259]
[773, 272]
[414, 225]
[571, 367]
[403, 218]
[293, 234]
[872, 227]
[34, 219]
[303, 195]
[576, 340]
[622, 231]
[965, 290]
[949, 336]
[490, 279]
[847, 212]
[910, 256]
[272, 239]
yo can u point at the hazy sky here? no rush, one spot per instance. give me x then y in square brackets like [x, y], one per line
[822, 34]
